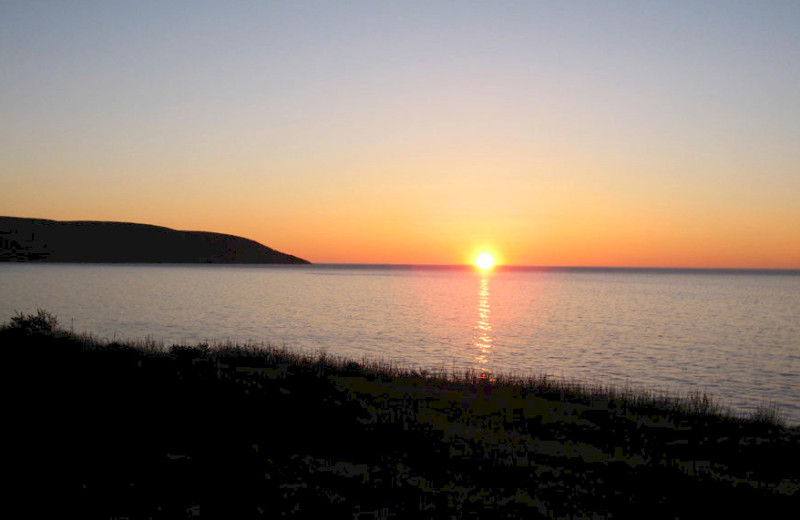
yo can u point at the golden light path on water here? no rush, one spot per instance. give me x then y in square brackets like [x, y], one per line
[483, 327]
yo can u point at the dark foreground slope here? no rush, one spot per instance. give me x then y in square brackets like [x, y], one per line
[25, 239]
[124, 432]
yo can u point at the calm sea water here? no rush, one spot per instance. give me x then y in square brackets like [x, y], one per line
[733, 334]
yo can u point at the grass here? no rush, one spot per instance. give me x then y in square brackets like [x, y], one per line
[138, 430]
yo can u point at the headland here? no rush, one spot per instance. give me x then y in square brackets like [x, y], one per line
[30, 239]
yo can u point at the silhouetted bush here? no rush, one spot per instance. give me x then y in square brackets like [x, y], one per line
[40, 323]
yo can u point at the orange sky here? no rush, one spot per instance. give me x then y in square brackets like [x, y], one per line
[664, 136]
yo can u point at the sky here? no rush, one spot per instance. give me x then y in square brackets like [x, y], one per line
[578, 133]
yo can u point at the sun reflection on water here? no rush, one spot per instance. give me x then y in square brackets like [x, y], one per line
[483, 329]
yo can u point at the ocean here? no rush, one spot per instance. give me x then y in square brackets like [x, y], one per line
[733, 334]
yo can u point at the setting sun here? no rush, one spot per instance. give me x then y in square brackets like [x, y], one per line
[484, 261]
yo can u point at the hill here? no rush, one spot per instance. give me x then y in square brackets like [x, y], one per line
[28, 239]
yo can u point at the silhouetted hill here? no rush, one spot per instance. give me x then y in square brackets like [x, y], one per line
[28, 239]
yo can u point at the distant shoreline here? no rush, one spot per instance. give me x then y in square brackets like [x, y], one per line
[42, 240]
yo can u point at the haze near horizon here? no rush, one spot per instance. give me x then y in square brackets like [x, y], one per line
[582, 133]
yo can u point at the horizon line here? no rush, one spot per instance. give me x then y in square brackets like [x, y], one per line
[558, 267]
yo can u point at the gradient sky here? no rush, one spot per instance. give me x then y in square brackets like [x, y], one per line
[552, 133]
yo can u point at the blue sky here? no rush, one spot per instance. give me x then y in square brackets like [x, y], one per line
[612, 133]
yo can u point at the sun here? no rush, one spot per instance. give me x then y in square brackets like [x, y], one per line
[484, 261]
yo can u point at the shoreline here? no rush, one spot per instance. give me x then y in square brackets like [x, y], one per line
[243, 431]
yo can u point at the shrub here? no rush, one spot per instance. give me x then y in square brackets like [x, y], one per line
[771, 414]
[41, 323]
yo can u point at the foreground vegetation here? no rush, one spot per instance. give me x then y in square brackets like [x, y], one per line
[141, 431]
